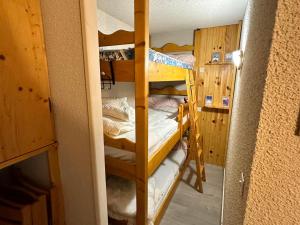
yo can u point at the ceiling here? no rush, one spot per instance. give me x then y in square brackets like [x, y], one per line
[174, 15]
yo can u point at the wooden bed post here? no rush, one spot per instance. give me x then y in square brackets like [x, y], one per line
[141, 25]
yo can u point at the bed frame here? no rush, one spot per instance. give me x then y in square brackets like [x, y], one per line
[147, 71]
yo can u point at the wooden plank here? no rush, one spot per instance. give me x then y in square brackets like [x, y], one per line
[141, 25]
[169, 90]
[161, 72]
[25, 117]
[20, 213]
[120, 37]
[123, 70]
[121, 143]
[38, 206]
[26, 156]
[120, 168]
[156, 158]
[171, 47]
[216, 80]
[164, 205]
[56, 193]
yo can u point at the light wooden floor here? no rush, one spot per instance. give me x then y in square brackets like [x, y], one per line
[189, 207]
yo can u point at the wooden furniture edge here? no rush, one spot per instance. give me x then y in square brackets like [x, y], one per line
[56, 191]
[141, 40]
[27, 155]
[159, 72]
[169, 90]
[167, 199]
[120, 143]
[123, 70]
[172, 47]
[120, 37]
[160, 154]
[120, 168]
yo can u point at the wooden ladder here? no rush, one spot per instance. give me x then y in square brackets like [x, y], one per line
[195, 140]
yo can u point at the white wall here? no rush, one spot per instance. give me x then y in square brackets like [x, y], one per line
[181, 37]
[67, 74]
[256, 40]
[108, 24]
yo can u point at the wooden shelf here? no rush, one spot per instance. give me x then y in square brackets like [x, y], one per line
[216, 107]
[27, 156]
[218, 63]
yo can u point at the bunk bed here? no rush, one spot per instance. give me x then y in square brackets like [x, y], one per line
[128, 157]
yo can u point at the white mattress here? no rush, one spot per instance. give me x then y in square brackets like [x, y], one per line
[162, 124]
[121, 194]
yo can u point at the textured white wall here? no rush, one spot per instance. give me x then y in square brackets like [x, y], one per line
[180, 37]
[256, 40]
[108, 24]
[64, 48]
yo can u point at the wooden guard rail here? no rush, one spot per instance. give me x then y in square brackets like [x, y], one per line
[167, 91]
[120, 37]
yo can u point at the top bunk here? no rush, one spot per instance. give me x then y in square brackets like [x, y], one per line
[119, 64]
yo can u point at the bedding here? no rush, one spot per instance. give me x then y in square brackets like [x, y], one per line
[111, 127]
[121, 193]
[187, 58]
[128, 54]
[117, 108]
[161, 126]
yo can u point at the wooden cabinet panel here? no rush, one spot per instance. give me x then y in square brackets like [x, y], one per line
[216, 80]
[25, 117]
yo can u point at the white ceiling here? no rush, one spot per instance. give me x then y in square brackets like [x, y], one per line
[174, 15]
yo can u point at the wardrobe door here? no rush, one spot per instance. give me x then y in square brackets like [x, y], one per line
[25, 117]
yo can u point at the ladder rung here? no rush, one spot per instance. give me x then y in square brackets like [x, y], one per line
[199, 153]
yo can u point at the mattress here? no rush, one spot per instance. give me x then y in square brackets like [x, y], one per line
[154, 56]
[121, 193]
[162, 125]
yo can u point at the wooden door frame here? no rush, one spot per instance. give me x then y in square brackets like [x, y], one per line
[93, 91]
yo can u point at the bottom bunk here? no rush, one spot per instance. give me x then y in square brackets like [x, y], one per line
[121, 193]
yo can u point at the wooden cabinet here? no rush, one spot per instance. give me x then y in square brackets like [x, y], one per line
[216, 80]
[25, 117]
[26, 123]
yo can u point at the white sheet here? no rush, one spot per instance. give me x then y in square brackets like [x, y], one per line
[162, 125]
[121, 194]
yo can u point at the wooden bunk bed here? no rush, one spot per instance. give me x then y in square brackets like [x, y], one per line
[142, 71]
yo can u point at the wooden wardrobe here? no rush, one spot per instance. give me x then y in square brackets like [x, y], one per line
[26, 123]
[215, 79]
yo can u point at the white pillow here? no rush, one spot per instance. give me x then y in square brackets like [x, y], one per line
[116, 107]
[114, 128]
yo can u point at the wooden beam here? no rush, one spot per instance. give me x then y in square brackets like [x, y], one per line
[56, 193]
[121, 143]
[170, 90]
[123, 70]
[141, 25]
[26, 156]
[120, 37]
[162, 152]
[121, 168]
[161, 72]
